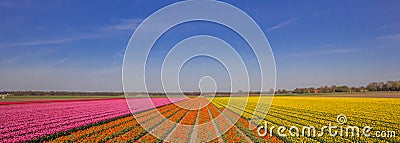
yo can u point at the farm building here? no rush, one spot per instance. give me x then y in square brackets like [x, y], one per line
[3, 96]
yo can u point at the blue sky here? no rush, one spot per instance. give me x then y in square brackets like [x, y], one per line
[79, 45]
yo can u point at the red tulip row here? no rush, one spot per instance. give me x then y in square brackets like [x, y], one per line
[206, 129]
[150, 121]
[226, 128]
[168, 129]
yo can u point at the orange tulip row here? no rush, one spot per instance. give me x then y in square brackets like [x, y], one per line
[140, 134]
[183, 131]
[229, 132]
[206, 129]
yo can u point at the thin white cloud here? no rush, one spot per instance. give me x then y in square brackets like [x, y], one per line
[119, 56]
[12, 3]
[395, 25]
[283, 24]
[38, 42]
[390, 37]
[326, 49]
[9, 60]
[326, 52]
[61, 61]
[126, 24]
[342, 51]
[25, 58]
[50, 41]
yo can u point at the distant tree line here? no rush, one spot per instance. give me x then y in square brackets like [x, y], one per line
[373, 86]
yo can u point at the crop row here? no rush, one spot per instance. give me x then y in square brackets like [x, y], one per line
[23, 122]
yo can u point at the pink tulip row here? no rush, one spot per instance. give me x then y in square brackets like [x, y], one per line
[23, 122]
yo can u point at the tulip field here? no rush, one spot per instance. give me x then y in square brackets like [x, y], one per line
[130, 129]
[23, 122]
[382, 114]
[198, 119]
